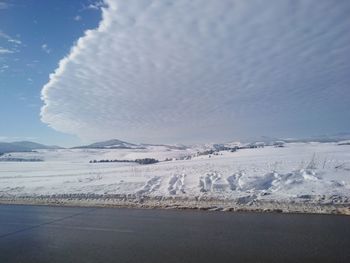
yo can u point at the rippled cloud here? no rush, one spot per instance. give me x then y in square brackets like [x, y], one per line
[171, 71]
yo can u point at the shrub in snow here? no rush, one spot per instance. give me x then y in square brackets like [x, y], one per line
[146, 161]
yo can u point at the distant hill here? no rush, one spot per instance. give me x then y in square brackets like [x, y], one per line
[118, 144]
[23, 146]
[111, 144]
[6, 147]
[322, 138]
[169, 146]
[35, 146]
[316, 138]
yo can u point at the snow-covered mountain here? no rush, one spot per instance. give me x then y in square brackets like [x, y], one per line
[322, 138]
[118, 144]
[6, 147]
[111, 144]
[35, 146]
[23, 146]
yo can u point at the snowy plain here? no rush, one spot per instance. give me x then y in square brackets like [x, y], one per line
[297, 177]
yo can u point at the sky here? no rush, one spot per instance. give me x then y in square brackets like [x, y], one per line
[34, 36]
[173, 71]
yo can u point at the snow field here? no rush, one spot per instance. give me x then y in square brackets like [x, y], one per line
[319, 172]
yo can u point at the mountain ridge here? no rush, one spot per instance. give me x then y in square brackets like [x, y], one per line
[110, 144]
[24, 146]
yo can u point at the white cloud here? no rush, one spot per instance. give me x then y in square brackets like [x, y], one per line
[6, 51]
[3, 68]
[4, 5]
[97, 5]
[10, 39]
[205, 70]
[77, 18]
[16, 41]
[46, 48]
[11, 44]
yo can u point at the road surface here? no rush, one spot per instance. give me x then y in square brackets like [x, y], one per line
[67, 234]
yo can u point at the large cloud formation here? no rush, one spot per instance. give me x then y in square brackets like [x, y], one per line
[169, 71]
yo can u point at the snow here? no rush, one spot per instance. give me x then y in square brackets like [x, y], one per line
[317, 173]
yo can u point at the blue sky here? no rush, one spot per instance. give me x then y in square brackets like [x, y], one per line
[38, 33]
[173, 71]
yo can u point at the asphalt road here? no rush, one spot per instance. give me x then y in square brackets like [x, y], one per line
[65, 234]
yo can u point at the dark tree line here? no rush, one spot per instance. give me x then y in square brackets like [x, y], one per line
[139, 161]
